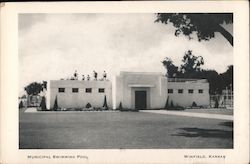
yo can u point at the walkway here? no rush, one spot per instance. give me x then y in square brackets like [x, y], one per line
[31, 110]
[189, 114]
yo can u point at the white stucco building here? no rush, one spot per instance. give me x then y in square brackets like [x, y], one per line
[184, 92]
[76, 93]
[134, 90]
[141, 90]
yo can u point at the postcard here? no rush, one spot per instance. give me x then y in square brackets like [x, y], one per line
[125, 82]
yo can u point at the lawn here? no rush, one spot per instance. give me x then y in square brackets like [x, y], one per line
[125, 130]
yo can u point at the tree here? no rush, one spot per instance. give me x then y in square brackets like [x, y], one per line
[191, 64]
[171, 104]
[166, 105]
[34, 88]
[120, 106]
[203, 24]
[215, 82]
[43, 104]
[194, 104]
[191, 68]
[227, 77]
[21, 105]
[216, 105]
[45, 85]
[105, 105]
[171, 68]
[55, 107]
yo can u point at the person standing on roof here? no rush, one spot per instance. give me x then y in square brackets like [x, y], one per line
[104, 75]
[76, 75]
[95, 75]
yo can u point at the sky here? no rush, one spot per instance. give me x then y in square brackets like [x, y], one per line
[53, 46]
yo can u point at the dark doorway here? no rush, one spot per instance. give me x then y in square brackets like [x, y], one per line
[140, 99]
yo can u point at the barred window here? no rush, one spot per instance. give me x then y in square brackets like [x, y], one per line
[200, 91]
[61, 89]
[170, 91]
[75, 90]
[88, 90]
[190, 91]
[180, 90]
[101, 90]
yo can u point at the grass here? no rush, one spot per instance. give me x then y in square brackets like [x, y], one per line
[121, 130]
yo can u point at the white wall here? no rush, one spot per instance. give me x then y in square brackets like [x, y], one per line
[155, 84]
[185, 98]
[128, 82]
[68, 99]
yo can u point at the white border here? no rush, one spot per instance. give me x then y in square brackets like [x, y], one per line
[9, 83]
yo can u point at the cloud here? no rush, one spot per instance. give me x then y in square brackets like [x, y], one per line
[53, 46]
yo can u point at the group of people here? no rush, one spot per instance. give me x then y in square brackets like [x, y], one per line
[95, 75]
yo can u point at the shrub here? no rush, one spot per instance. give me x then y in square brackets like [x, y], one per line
[20, 105]
[88, 105]
[129, 110]
[43, 104]
[78, 109]
[171, 104]
[166, 105]
[55, 107]
[216, 105]
[194, 104]
[105, 105]
[120, 106]
[98, 109]
[70, 109]
[176, 108]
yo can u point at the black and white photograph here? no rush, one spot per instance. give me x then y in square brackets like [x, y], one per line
[126, 81]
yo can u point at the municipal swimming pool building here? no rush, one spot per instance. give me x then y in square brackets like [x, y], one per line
[135, 90]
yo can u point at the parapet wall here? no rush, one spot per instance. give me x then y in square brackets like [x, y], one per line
[92, 92]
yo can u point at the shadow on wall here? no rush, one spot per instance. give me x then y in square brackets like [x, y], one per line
[204, 133]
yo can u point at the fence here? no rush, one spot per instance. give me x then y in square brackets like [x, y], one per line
[224, 100]
[34, 101]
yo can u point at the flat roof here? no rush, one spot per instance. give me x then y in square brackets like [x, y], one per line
[143, 73]
[141, 85]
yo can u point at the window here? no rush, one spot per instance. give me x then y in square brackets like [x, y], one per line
[75, 90]
[170, 91]
[101, 90]
[190, 91]
[200, 91]
[180, 90]
[61, 89]
[88, 90]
